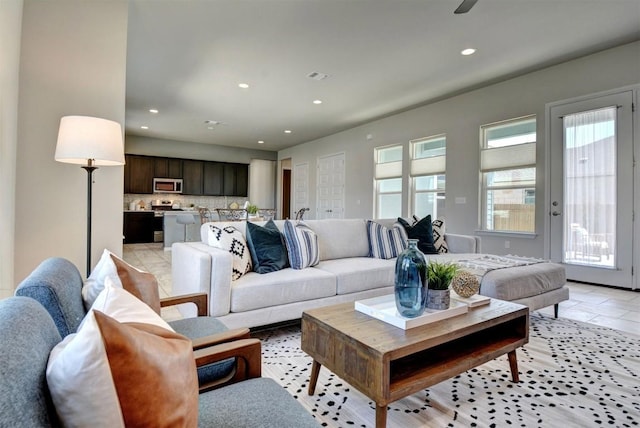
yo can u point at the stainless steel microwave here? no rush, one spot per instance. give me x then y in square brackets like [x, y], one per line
[167, 185]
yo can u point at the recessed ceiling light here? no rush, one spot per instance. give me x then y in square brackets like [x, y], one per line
[317, 101]
[469, 51]
[209, 127]
[260, 142]
[153, 110]
[287, 131]
[144, 127]
[243, 85]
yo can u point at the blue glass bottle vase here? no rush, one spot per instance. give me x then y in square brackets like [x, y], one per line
[411, 281]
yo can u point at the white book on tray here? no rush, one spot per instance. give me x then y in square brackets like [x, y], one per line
[384, 309]
[473, 301]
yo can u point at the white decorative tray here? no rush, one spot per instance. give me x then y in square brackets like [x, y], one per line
[384, 309]
[473, 301]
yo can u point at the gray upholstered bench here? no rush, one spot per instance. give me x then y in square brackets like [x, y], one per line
[537, 286]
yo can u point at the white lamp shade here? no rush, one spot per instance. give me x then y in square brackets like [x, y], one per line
[82, 137]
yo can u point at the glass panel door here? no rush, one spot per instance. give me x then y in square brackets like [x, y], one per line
[591, 198]
[590, 188]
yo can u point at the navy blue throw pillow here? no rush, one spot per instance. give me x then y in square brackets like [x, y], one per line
[266, 245]
[423, 232]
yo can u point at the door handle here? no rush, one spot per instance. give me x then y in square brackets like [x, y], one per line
[555, 213]
[329, 211]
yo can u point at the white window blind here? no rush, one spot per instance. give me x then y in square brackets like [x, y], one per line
[508, 157]
[388, 170]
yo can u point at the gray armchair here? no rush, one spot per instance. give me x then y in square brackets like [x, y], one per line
[56, 283]
[28, 333]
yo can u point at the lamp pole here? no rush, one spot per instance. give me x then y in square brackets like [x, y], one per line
[89, 168]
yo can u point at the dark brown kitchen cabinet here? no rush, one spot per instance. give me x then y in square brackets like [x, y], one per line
[213, 179]
[139, 173]
[235, 179]
[167, 168]
[192, 177]
[138, 227]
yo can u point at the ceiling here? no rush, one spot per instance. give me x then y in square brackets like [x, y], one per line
[186, 59]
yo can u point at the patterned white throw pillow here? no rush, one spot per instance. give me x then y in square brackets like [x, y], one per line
[438, 236]
[231, 239]
[385, 243]
[302, 245]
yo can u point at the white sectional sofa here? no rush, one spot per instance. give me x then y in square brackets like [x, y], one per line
[345, 273]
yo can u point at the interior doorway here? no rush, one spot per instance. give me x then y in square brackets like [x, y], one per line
[286, 189]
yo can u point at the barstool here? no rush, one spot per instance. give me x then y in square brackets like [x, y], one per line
[186, 220]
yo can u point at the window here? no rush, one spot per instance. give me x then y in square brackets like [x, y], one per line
[508, 167]
[388, 182]
[428, 159]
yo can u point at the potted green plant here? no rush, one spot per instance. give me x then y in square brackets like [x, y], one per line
[440, 276]
[252, 210]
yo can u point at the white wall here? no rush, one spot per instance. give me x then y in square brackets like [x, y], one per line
[138, 145]
[460, 118]
[73, 61]
[10, 31]
[262, 183]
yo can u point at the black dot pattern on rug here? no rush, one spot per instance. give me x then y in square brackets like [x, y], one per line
[572, 374]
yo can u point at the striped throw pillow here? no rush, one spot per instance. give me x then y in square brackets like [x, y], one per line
[302, 245]
[385, 243]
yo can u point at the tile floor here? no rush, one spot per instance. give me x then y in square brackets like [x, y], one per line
[605, 306]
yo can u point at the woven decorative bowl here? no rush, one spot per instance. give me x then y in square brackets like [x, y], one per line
[465, 284]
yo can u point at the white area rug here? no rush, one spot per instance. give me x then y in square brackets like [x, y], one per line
[572, 374]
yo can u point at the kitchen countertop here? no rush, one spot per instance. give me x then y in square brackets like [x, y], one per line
[176, 212]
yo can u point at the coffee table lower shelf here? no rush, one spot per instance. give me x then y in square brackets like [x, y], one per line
[386, 363]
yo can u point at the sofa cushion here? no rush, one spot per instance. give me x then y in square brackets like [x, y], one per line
[341, 238]
[267, 248]
[360, 273]
[385, 243]
[27, 335]
[255, 291]
[230, 239]
[78, 372]
[265, 404]
[423, 232]
[57, 284]
[302, 245]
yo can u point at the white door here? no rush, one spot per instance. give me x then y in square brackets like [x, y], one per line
[591, 188]
[300, 187]
[330, 187]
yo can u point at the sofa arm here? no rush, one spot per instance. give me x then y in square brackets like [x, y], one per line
[462, 243]
[196, 267]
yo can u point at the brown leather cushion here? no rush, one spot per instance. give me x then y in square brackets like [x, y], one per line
[143, 285]
[153, 371]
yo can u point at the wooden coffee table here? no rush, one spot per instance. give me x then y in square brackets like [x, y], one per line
[387, 363]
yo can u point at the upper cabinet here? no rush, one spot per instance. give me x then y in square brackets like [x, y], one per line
[192, 173]
[168, 168]
[139, 173]
[213, 179]
[199, 177]
[236, 179]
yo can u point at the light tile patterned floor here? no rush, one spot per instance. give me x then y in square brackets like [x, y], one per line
[605, 306]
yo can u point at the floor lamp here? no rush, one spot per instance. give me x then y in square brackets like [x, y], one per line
[90, 142]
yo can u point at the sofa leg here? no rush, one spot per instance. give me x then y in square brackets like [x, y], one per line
[555, 310]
